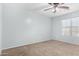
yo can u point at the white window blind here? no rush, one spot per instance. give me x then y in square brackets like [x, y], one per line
[71, 27]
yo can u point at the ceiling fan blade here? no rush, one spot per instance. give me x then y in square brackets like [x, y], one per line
[63, 7]
[48, 9]
[50, 4]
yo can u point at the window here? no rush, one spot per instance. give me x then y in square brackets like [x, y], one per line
[66, 27]
[71, 27]
[75, 27]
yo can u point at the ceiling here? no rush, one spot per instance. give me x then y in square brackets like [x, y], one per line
[39, 7]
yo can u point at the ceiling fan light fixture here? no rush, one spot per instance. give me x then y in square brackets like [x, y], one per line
[56, 5]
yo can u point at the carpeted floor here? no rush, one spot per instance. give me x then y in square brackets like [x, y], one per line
[47, 48]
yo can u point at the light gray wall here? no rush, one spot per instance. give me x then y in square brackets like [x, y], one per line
[22, 27]
[0, 25]
[57, 28]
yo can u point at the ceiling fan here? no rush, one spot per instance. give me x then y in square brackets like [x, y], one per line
[54, 6]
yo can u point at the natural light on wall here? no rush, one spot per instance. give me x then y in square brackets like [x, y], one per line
[70, 27]
[28, 21]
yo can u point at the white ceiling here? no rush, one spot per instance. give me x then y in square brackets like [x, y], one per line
[39, 7]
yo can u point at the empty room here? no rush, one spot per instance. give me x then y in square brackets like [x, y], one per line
[39, 29]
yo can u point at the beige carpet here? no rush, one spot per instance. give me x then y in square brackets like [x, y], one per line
[47, 48]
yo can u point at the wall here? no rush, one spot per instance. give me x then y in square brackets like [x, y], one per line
[0, 25]
[57, 28]
[22, 27]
